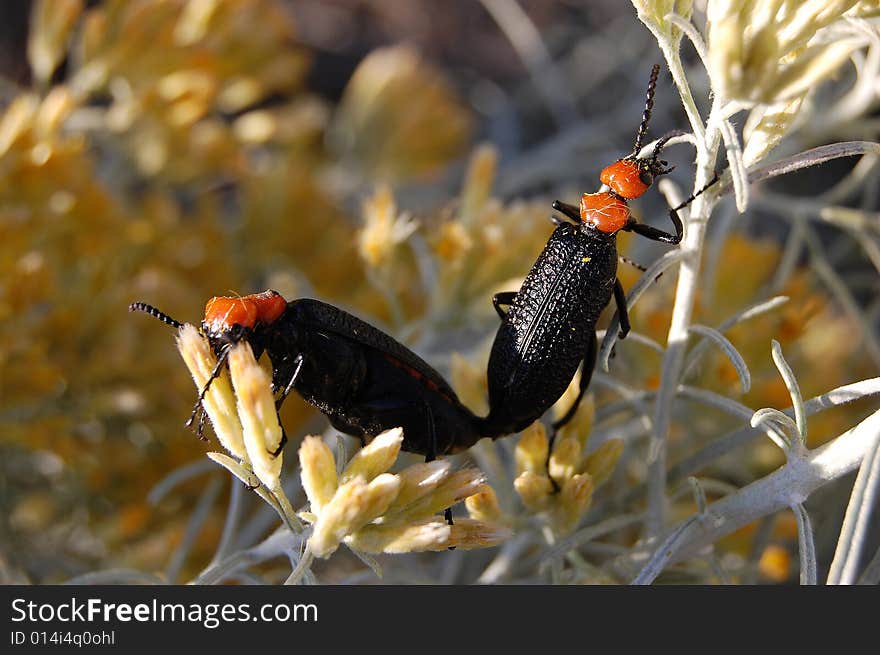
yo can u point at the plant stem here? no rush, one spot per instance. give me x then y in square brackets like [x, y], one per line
[790, 484]
[685, 296]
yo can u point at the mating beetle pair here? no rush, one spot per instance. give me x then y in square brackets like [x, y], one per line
[366, 382]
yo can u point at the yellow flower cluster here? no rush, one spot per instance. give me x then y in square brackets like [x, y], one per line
[365, 507]
[773, 51]
[475, 250]
[559, 483]
[384, 229]
[398, 117]
[243, 416]
[375, 511]
[482, 248]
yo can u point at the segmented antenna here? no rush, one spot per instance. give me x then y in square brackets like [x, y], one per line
[221, 361]
[661, 143]
[715, 178]
[152, 311]
[649, 105]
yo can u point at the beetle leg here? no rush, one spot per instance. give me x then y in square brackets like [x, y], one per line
[634, 264]
[620, 300]
[432, 450]
[282, 442]
[569, 210]
[658, 147]
[298, 362]
[503, 298]
[659, 235]
[432, 433]
[200, 430]
[587, 367]
[653, 233]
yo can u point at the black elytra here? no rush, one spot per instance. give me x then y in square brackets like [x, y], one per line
[550, 327]
[366, 382]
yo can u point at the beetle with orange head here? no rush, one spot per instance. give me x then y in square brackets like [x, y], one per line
[550, 327]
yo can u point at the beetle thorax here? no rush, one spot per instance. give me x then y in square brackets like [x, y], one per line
[230, 319]
[605, 211]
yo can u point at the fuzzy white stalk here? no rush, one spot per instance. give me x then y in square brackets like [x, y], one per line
[789, 485]
[806, 545]
[682, 312]
[856, 523]
[708, 140]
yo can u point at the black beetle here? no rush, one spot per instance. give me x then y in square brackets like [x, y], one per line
[550, 327]
[362, 379]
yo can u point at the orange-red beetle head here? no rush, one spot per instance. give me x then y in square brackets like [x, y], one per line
[628, 178]
[225, 312]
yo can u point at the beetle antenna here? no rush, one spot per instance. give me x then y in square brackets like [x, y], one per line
[649, 106]
[152, 311]
[661, 143]
[218, 367]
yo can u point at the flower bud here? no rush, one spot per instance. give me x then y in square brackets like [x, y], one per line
[532, 450]
[318, 468]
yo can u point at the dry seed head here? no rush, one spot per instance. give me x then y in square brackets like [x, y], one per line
[398, 116]
[16, 121]
[239, 93]
[653, 13]
[468, 534]
[451, 243]
[574, 501]
[353, 506]
[56, 107]
[419, 480]
[477, 187]
[428, 534]
[181, 84]
[219, 402]
[581, 424]
[318, 468]
[600, 463]
[453, 489]
[52, 23]
[195, 21]
[257, 126]
[769, 51]
[374, 458]
[775, 563]
[383, 228]
[765, 127]
[483, 505]
[256, 409]
[565, 459]
[393, 513]
[806, 69]
[535, 490]
[532, 450]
